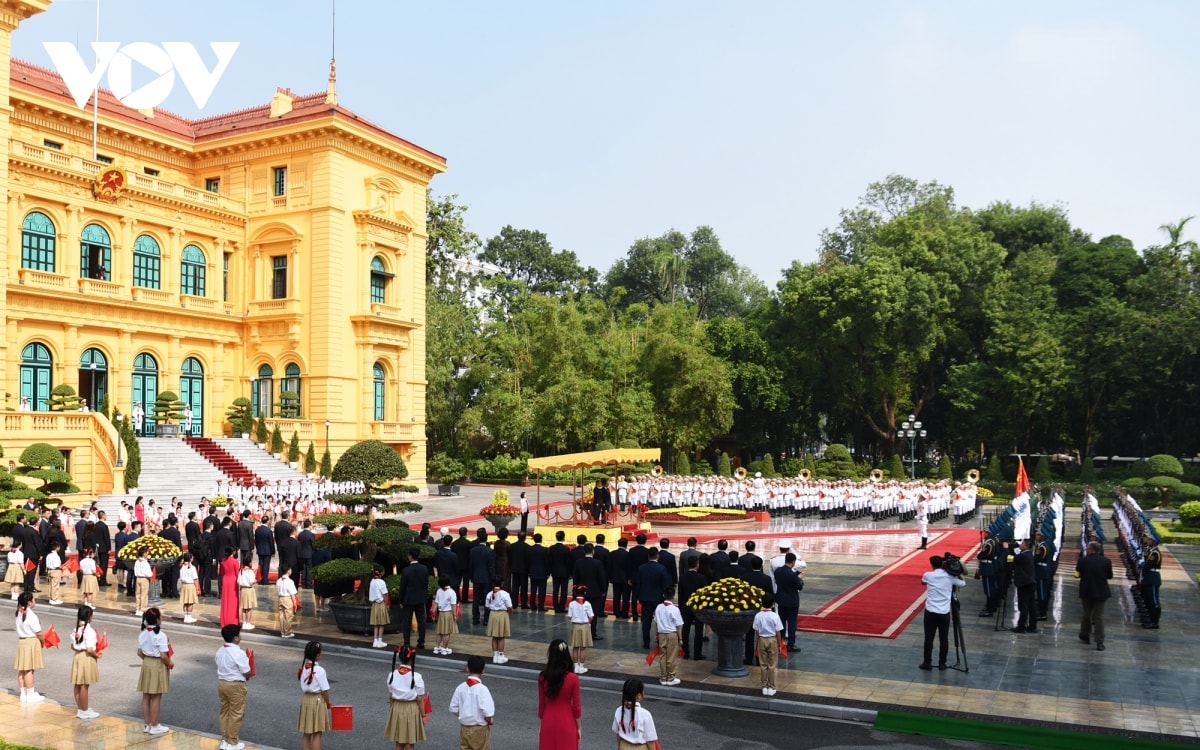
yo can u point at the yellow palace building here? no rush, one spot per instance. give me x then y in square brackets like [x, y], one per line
[275, 250]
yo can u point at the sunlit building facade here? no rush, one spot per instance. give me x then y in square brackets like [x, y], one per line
[275, 253]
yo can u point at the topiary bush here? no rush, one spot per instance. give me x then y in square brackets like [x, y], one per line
[993, 472]
[371, 462]
[1134, 483]
[63, 398]
[604, 445]
[42, 455]
[683, 466]
[310, 459]
[445, 470]
[1189, 515]
[293, 454]
[326, 464]
[239, 418]
[1087, 472]
[895, 468]
[945, 470]
[1187, 491]
[167, 407]
[725, 468]
[768, 464]
[1162, 464]
[838, 461]
[1041, 471]
[276, 440]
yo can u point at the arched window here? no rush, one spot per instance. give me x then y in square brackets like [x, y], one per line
[291, 385]
[379, 280]
[37, 242]
[377, 372]
[191, 272]
[95, 253]
[264, 392]
[147, 263]
[36, 368]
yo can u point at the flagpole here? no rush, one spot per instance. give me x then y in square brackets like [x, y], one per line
[96, 95]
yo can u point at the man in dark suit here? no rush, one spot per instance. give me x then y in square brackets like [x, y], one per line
[619, 575]
[289, 552]
[650, 582]
[414, 589]
[561, 565]
[518, 571]
[103, 536]
[667, 560]
[481, 569]
[691, 581]
[1024, 578]
[283, 528]
[539, 571]
[245, 537]
[759, 580]
[735, 570]
[264, 545]
[788, 584]
[205, 564]
[590, 573]
[304, 552]
[444, 559]
[746, 559]
[638, 556]
[462, 549]
[191, 531]
[577, 550]
[691, 553]
[31, 546]
[720, 560]
[602, 554]
[1094, 571]
[119, 541]
[170, 576]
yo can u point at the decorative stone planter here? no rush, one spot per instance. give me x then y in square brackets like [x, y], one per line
[448, 489]
[356, 618]
[730, 628]
[499, 522]
[166, 430]
[160, 565]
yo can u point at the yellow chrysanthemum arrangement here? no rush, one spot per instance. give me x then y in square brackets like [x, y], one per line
[696, 511]
[499, 506]
[984, 492]
[156, 548]
[727, 595]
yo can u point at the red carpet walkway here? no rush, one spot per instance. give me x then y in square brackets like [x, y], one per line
[883, 604]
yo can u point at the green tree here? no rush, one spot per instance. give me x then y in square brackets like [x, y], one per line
[839, 460]
[768, 464]
[261, 435]
[293, 454]
[326, 464]
[310, 459]
[372, 462]
[276, 439]
[238, 415]
[1087, 472]
[63, 398]
[167, 407]
[683, 465]
[530, 265]
[945, 470]
[724, 468]
[993, 472]
[895, 467]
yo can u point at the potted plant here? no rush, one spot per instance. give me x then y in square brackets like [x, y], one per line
[293, 452]
[310, 459]
[160, 553]
[260, 433]
[289, 404]
[63, 398]
[239, 418]
[447, 472]
[383, 542]
[167, 408]
[277, 442]
[728, 607]
[499, 512]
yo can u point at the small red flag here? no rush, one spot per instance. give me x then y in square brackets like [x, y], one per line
[783, 650]
[250, 656]
[30, 566]
[1022, 478]
[51, 639]
[650, 657]
[102, 642]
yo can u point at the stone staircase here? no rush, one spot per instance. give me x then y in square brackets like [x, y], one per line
[219, 457]
[170, 468]
[264, 465]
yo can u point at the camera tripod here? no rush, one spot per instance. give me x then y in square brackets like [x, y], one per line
[960, 643]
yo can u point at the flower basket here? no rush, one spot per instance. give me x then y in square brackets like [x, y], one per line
[499, 512]
[728, 607]
[156, 548]
[499, 521]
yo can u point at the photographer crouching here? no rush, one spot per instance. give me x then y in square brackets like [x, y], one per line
[940, 582]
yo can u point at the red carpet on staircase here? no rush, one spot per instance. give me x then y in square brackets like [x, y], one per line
[883, 604]
[219, 457]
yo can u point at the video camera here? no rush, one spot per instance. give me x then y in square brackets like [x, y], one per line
[953, 564]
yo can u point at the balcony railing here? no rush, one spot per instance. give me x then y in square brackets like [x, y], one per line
[275, 307]
[99, 288]
[197, 303]
[154, 296]
[30, 277]
[392, 430]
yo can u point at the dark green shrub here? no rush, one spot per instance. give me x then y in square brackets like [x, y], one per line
[372, 462]
[276, 440]
[791, 467]
[261, 435]
[445, 470]
[294, 448]
[1087, 473]
[895, 468]
[310, 459]
[167, 407]
[683, 466]
[63, 398]
[238, 416]
[1162, 464]
[41, 455]
[1187, 491]
[604, 445]
[993, 472]
[768, 463]
[725, 468]
[1189, 515]
[326, 464]
[945, 470]
[629, 444]
[1041, 471]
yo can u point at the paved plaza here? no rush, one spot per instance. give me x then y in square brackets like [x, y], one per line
[1146, 684]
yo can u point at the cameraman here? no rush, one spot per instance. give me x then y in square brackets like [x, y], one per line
[939, 586]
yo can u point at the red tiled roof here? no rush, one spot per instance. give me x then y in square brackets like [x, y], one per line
[36, 79]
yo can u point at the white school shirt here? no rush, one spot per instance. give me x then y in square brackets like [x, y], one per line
[29, 626]
[378, 590]
[473, 703]
[16, 557]
[405, 686]
[446, 599]
[498, 600]
[245, 578]
[153, 645]
[88, 641]
[580, 613]
[667, 618]
[87, 566]
[187, 574]
[53, 561]
[285, 586]
[767, 623]
[635, 727]
[232, 663]
[141, 568]
[320, 682]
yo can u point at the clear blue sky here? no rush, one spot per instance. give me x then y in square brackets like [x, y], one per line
[599, 123]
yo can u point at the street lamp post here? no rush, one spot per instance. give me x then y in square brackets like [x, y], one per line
[327, 423]
[120, 419]
[912, 430]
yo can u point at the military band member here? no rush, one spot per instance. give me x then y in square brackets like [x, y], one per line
[1150, 581]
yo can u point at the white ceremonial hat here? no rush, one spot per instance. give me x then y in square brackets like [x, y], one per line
[785, 544]
[758, 473]
[445, 530]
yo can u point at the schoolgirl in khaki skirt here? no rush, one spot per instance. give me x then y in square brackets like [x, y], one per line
[155, 679]
[85, 670]
[29, 648]
[406, 694]
[314, 701]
